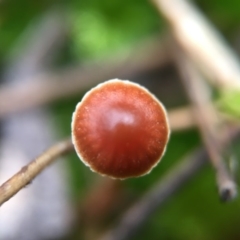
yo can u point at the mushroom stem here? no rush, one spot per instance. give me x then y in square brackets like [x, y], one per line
[30, 171]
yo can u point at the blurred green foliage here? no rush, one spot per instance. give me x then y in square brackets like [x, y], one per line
[229, 103]
[223, 14]
[102, 27]
[99, 29]
[15, 17]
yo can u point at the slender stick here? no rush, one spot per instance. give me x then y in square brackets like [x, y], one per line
[181, 119]
[30, 171]
[207, 120]
[202, 42]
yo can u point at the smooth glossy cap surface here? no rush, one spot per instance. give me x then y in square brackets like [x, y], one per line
[120, 129]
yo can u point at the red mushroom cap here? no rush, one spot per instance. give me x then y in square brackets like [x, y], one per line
[120, 129]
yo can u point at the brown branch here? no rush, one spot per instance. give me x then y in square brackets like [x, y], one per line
[137, 215]
[179, 119]
[30, 171]
[201, 42]
[208, 122]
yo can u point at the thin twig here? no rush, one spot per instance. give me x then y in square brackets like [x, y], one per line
[207, 120]
[181, 119]
[30, 171]
[137, 215]
[202, 42]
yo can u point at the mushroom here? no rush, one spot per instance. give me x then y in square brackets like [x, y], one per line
[120, 129]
